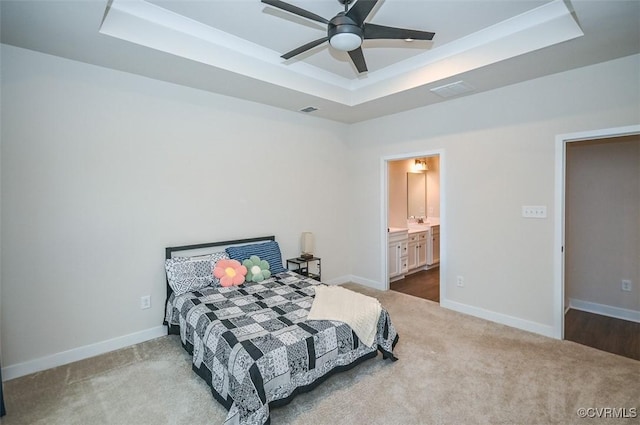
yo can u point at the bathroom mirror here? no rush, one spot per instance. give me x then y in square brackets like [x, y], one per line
[416, 194]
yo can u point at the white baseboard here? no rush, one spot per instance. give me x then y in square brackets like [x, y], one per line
[366, 282]
[605, 310]
[492, 316]
[80, 353]
[514, 322]
[355, 279]
[338, 280]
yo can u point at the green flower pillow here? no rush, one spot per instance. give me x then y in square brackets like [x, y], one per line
[257, 269]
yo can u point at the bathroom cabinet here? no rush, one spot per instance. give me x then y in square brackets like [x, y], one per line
[418, 244]
[433, 254]
[398, 254]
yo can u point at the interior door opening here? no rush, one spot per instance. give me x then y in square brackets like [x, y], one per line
[602, 244]
[588, 180]
[413, 225]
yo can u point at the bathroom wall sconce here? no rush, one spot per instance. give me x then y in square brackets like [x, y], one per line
[421, 165]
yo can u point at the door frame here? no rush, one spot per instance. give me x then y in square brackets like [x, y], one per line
[384, 207]
[559, 221]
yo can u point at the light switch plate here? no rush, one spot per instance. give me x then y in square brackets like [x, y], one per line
[534, 211]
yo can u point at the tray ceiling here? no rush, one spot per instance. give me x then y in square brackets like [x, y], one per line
[234, 47]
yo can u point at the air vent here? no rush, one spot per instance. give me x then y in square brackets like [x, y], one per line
[308, 109]
[453, 89]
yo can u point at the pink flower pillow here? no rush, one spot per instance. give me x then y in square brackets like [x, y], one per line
[230, 272]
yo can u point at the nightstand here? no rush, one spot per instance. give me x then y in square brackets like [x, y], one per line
[301, 266]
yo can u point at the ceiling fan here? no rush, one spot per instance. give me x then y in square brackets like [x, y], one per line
[347, 30]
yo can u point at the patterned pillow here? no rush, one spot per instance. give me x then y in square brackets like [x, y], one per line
[187, 274]
[269, 251]
[215, 257]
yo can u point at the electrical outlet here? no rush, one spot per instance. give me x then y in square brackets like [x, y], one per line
[534, 211]
[460, 281]
[145, 302]
[626, 285]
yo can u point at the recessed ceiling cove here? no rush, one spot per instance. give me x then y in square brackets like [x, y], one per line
[249, 37]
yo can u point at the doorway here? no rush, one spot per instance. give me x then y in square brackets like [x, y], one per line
[598, 239]
[413, 203]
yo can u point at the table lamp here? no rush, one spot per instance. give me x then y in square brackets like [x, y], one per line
[307, 242]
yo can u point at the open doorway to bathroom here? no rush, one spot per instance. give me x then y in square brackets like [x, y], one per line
[414, 226]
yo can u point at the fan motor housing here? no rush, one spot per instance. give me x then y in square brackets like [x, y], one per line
[343, 24]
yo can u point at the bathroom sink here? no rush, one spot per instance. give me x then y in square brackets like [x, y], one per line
[415, 227]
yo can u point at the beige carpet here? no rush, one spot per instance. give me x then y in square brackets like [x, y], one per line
[453, 369]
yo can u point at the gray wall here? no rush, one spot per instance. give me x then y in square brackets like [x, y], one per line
[102, 169]
[499, 151]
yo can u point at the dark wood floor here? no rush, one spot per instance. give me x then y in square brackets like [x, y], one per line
[616, 336]
[604, 333]
[424, 284]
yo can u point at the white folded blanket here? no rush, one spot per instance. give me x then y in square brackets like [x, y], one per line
[359, 311]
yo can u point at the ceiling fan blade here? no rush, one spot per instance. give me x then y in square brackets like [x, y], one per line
[295, 10]
[361, 10]
[304, 48]
[358, 59]
[372, 31]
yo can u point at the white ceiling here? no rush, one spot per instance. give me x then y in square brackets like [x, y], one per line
[233, 47]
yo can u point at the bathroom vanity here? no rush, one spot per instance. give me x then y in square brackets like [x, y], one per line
[398, 252]
[414, 248]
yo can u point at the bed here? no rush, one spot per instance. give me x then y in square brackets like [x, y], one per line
[252, 343]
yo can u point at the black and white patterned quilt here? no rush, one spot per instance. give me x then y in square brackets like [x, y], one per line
[253, 345]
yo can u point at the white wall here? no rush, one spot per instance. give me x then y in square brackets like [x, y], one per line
[398, 203]
[0, 237]
[101, 170]
[433, 187]
[498, 154]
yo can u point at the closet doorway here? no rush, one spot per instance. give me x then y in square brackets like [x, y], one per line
[599, 239]
[413, 212]
[601, 261]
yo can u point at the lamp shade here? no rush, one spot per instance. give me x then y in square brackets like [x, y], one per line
[307, 242]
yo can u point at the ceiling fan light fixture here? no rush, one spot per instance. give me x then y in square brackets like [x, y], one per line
[347, 30]
[345, 41]
[344, 33]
